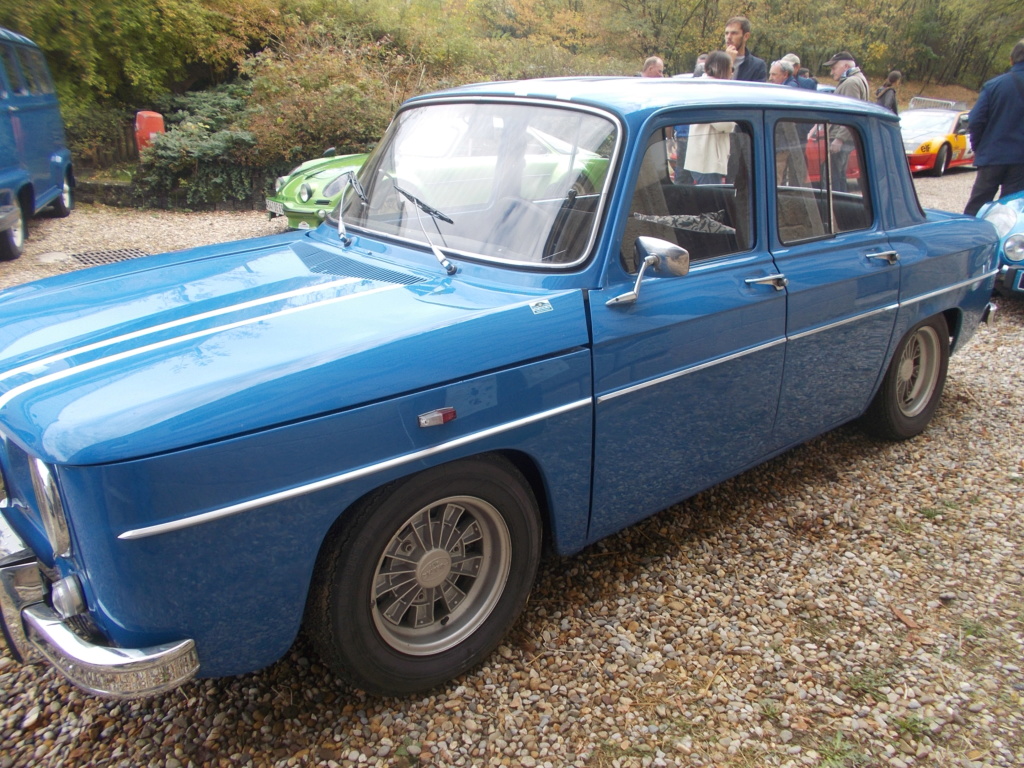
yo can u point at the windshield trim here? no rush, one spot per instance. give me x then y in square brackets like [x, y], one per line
[547, 103]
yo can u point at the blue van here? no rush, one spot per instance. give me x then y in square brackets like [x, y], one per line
[35, 164]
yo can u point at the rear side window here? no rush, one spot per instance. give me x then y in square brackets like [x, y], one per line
[821, 180]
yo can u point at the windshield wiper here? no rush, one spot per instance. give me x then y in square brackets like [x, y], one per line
[352, 181]
[449, 268]
[423, 206]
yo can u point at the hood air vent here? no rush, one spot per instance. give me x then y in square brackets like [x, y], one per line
[325, 263]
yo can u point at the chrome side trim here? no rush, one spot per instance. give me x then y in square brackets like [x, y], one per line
[686, 371]
[947, 289]
[846, 321]
[67, 372]
[345, 477]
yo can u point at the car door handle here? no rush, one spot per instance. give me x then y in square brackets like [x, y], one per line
[890, 256]
[779, 282]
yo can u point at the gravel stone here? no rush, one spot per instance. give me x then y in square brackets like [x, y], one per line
[848, 603]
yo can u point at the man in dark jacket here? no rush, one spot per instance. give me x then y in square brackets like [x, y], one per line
[997, 135]
[803, 82]
[745, 65]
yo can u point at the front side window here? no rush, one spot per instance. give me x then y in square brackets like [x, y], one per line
[519, 183]
[9, 63]
[694, 190]
[821, 180]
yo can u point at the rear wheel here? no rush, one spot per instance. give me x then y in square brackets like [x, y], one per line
[913, 384]
[420, 582]
[12, 241]
[941, 161]
[66, 201]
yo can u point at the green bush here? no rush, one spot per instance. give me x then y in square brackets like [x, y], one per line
[205, 154]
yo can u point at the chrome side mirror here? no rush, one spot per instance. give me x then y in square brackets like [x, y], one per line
[663, 256]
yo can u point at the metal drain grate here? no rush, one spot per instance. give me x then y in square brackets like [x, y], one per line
[92, 258]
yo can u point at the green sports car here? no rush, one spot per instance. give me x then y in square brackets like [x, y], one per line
[311, 191]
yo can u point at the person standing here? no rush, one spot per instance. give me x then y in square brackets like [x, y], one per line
[848, 76]
[996, 125]
[852, 84]
[886, 93]
[653, 67]
[808, 83]
[781, 73]
[745, 65]
[708, 144]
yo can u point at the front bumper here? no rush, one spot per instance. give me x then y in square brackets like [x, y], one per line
[920, 162]
[310, 217]
[35, 632]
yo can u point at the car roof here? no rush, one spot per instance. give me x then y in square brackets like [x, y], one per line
[631, 96]
[14, 37]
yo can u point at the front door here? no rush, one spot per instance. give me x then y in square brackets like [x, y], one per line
[687, 377]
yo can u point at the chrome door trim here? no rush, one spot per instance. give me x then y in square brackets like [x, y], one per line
[686, 371]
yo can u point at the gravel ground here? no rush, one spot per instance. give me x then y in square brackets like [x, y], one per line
[850, 603]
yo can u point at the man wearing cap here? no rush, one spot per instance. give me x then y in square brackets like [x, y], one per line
[745, 65]
[851, 81]
[803, 82]
[853, 85]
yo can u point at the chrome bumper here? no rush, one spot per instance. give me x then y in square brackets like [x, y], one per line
[35, 632]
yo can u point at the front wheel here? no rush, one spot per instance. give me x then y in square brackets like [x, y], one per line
[12, 241]
[420, 581]
[913, 384]
[941, 161]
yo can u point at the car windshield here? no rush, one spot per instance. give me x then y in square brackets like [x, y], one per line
[926, 122]
[515, 183]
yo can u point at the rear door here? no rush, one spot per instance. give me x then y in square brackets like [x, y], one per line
[687, 376]
[842, 276]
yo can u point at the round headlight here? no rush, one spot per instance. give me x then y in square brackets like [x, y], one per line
[1000, 217]
[1013, 248]
[305, 192]
[279, 182]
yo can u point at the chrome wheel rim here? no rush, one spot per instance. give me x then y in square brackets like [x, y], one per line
[441, 575]
[65, 195]
[918, 372]
[18, 232]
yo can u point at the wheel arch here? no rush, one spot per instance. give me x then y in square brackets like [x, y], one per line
[27, 197]
[954, 317]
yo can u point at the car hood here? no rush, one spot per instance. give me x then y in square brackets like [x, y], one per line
[918, 136]
[164, 352]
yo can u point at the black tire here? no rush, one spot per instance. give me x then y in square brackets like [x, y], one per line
[941, 161]
[913, 384]
[65, 200]
[393, 615]
[12, 241]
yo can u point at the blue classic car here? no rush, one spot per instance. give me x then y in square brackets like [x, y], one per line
[1007, 216]
[375, 428]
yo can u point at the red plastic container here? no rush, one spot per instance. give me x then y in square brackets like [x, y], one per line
[147, 124]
